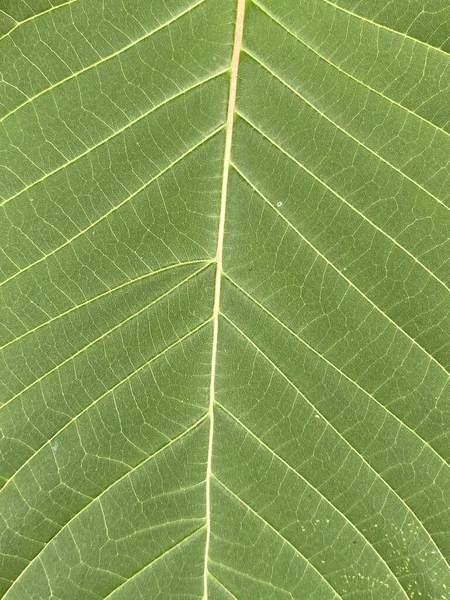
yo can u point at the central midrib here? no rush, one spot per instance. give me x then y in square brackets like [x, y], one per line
[234, 67]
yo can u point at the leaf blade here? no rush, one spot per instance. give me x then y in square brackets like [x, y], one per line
[225, 359]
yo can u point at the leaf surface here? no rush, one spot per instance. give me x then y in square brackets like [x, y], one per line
[225, 343]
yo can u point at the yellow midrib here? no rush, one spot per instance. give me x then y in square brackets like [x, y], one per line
[234, 68]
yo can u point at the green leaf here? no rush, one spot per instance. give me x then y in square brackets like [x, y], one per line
[225, 346]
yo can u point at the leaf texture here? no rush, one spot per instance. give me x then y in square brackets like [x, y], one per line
[225, 334]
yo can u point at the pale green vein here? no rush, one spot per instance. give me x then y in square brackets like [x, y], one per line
[338, 68]
[45, 519]
[6, 168]
[278, 534]
[251, 578]
[291, 469]
[111, 390]
[106, 490]
[158, 558]
[228, 592]
[329, 424]
[386, 28]
[106, 58]
[107, 293]
[26, 538]
[186, 488]
[105, 334]
[345, 132]
[324, 358]
[349, 281]
[115, 134]
[119, 205]
[14, 87]
[7, 15]
[34, 17]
